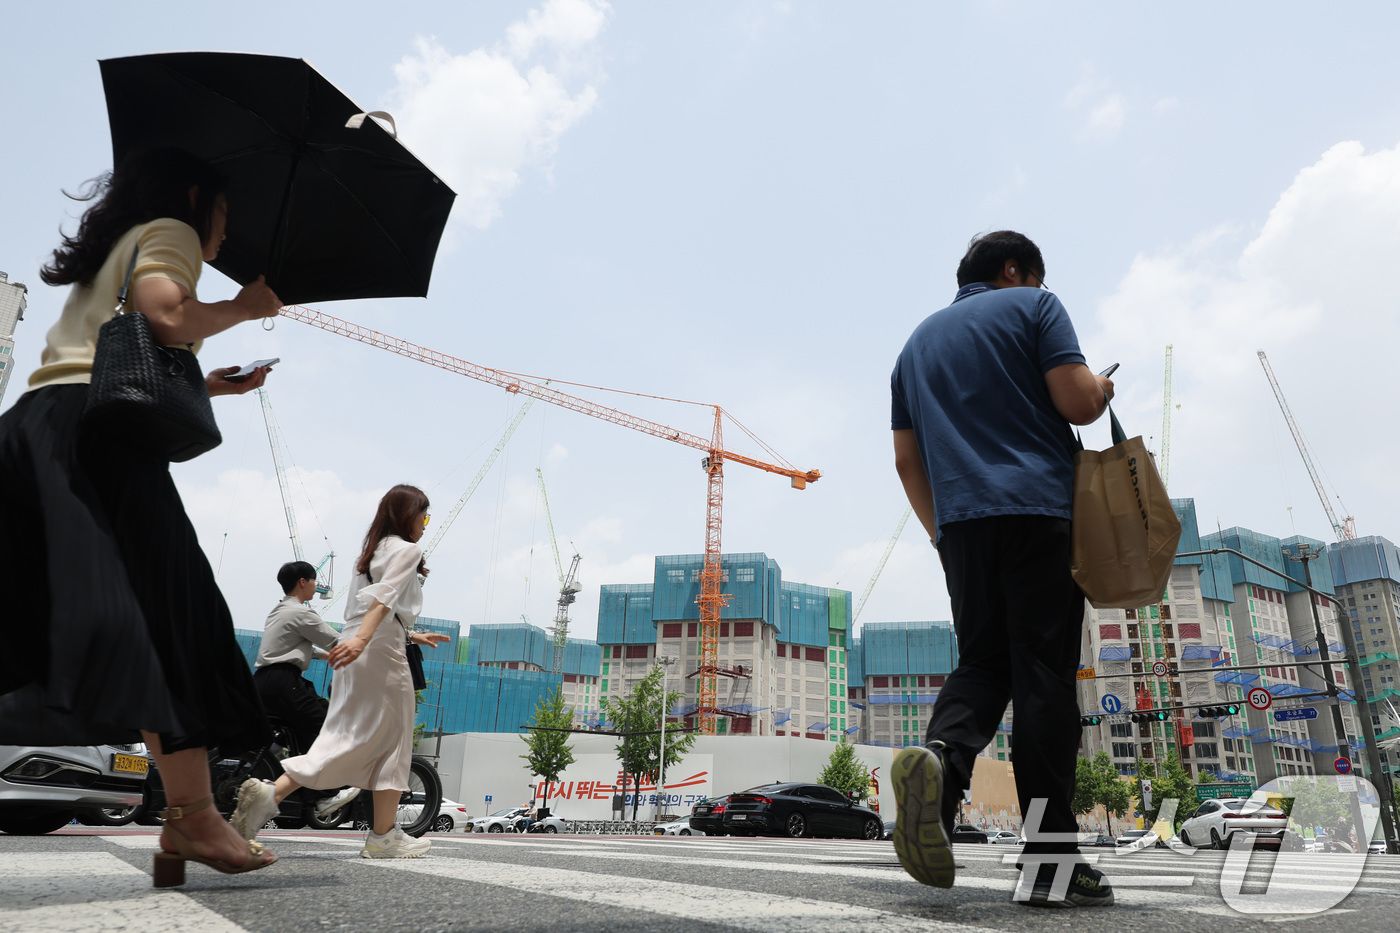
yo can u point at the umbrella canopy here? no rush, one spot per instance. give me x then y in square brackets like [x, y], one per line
[324, 209]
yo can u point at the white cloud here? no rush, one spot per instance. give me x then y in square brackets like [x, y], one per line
[482, 118]
[1106, 109]
[1312, 290]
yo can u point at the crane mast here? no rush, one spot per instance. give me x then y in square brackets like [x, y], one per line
[568, 585]
[711, 600]
[1344, 530]
[884, 559]
[274, 440]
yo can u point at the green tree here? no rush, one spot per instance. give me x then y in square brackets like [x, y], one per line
[1169, 780]
[846, 773]
[1112, 789]
[1086, 787]
[1318, 803]
[550, 752]
[639, 711]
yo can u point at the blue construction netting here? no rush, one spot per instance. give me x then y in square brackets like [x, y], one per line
[1321, 569]
[1235, 732]
[851, 730]
[503, 642]
[904, 698]
[1362, 559]
[1201, 652]
[1270, 551]
[625, 614]
[817, 727]
[1115, 653]
[751, 580]
[855, 705]
[1235, 677]
[480, 699]
[444, 652]
[781, 716]
[855, 663]
[806, 615]
[248, 643]
[908, 648]
[1214, 568]
[582, 656]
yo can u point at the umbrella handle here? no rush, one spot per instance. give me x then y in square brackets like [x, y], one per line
[358, 120]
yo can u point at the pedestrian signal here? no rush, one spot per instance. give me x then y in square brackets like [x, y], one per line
[1155, 716]
[1212, 712]
[1089, 720]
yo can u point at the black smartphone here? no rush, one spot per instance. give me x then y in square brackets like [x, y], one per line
[1110, 371]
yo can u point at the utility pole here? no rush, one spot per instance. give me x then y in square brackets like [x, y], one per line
[665, 663]
[1305, 555]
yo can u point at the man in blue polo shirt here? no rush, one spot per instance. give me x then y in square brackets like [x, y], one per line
[984, 394]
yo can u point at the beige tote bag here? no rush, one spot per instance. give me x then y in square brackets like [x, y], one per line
[1124, 528]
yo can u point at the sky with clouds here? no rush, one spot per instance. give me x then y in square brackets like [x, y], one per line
[753, 204]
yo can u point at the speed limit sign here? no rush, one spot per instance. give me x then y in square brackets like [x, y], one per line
[1259, 698]
[1159, 668]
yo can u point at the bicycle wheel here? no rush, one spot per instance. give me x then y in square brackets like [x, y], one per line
[419, 805]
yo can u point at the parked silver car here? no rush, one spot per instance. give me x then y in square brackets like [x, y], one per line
[43, 788]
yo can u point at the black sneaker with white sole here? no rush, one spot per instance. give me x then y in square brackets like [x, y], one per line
[1087, 888]
[921, 837]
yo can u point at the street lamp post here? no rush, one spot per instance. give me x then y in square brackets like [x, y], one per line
[665, 663]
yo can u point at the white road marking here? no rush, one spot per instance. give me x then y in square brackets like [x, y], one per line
[746, 910]
[90, 892]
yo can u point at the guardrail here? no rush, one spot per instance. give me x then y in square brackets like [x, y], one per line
[613, 827]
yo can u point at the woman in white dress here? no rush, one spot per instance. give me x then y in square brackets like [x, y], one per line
[367, 740]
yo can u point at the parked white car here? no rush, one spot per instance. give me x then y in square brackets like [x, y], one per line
[451, 818]
[502, 821]
[680, 827]
[43, 788]
[1003, 837]
[1215, 821]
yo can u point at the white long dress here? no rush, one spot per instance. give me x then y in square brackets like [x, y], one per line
[367, 740]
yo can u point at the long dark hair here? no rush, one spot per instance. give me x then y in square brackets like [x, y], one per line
[397, 512]
[146, 186]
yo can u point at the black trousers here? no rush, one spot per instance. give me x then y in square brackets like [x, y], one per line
[292, 698]
[1018, 616]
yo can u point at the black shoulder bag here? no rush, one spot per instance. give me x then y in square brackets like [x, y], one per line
[411, 650]
[143, 394]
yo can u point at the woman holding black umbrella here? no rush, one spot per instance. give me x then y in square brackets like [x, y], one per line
[120, 628]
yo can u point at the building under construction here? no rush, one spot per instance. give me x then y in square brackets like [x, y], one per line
[782, 653]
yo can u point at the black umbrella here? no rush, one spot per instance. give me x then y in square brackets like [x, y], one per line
[324, 209]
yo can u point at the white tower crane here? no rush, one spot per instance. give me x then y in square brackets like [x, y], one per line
[1344, 529]
[274, 440]
[568, 586]
[884, 559]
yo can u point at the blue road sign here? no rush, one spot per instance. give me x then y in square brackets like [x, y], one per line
[1110, 703]
[1301, 712]
[488, 798]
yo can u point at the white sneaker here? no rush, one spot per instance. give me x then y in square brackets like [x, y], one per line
[326, 807]
[257, 803]
[394, 844]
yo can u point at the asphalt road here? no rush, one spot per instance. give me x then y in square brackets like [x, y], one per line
[89, 881]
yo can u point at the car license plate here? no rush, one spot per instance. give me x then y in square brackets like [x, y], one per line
[131, 764]
[740, 816]
[658, 832]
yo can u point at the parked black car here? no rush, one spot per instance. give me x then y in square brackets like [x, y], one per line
[799, 810]
[966, 832]
[708, 815]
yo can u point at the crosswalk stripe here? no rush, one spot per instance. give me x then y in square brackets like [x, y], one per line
[90, 892]
[746, 910]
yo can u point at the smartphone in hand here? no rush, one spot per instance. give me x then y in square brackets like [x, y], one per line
[1110, 371]
[247, 371]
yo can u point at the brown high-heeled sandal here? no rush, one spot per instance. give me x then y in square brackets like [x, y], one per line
[170, 866]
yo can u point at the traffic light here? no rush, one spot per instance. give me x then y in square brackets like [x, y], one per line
[1089, 720]
[1153, 716]
[1213, 712]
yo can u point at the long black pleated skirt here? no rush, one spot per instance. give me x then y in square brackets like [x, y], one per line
[114, 622]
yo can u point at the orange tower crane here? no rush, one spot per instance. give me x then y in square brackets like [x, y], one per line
[710, 601]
